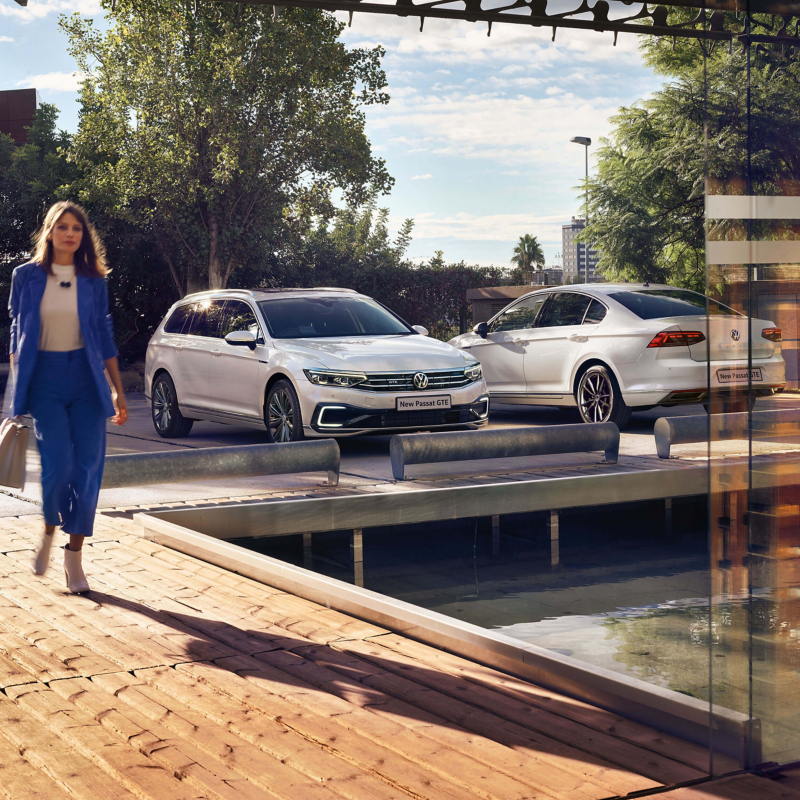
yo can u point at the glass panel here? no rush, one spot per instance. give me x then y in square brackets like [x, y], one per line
[207, 319]
[239, 317]
[521, 317]
[564, 309]
[177, 320]
[595, 314]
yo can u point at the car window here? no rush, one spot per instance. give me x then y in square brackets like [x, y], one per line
[178, 319]
[315, 317]
[207, 318]
[521, 316]
[239, 317]
[657, 303]
[595, 313]
[565, 308]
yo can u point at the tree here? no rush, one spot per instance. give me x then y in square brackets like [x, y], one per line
[32, 177]
[528, 254]
[219, 127]
[647, 199]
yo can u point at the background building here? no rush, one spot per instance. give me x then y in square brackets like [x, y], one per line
[17, 108]
[574, 253]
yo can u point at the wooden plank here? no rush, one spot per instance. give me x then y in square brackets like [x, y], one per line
[126, 765]
[19, 778]
[537, 697]
[312, 757]
[358, 750]
[259, 768]
[411, 731]
[519, 716]
[56, 758]
[178, 756]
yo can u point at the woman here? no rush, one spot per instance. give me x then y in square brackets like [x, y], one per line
[61, 339]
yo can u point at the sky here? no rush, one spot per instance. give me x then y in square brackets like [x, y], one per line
[476, 133]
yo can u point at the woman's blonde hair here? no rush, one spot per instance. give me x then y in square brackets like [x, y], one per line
[90, 257]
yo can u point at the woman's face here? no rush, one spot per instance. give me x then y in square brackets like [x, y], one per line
[66, 237]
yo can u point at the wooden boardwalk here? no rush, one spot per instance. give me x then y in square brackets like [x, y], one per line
[176, 680]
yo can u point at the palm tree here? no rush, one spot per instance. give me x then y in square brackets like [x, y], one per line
[528, 254]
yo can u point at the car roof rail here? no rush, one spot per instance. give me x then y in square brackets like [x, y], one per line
[279, 290]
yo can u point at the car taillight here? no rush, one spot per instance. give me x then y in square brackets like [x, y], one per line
[677, 339]
[773, 334]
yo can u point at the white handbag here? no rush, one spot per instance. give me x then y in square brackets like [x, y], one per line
[13, 453]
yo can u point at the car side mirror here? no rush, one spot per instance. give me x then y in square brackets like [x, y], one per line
[482, 329]
[420, 329]
[242, 339]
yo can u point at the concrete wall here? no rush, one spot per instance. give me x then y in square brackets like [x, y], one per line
[487, 302]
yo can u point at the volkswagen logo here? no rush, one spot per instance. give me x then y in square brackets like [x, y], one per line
[421, 380]
[735, 336]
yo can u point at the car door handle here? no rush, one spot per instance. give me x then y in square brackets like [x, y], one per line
[576, 337]
[216, 353]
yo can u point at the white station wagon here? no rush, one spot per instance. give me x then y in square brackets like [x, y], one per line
[306, 362]
[611, 349]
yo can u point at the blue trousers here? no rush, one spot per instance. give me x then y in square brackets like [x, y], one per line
[71, 433]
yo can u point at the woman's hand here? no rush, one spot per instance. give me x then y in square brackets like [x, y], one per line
[121, 405]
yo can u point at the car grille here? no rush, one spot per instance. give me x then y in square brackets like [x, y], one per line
[404, 381]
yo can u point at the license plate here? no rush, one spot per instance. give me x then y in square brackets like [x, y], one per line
[737, 375]
[423, 403]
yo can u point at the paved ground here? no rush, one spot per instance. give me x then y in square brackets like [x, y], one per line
[176, 680]
[365, 460]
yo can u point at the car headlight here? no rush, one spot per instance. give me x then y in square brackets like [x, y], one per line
[329, 377]
[473, 371]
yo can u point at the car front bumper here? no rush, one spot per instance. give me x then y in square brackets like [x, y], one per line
[343, 419]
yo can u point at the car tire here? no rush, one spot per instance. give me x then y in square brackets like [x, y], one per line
[167, 418]
[282, 416]
[599, 398]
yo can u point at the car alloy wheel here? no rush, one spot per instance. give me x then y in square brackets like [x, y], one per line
[281, 416]
[595, 396]
[167, 418]
[599, 398]
[162, 406]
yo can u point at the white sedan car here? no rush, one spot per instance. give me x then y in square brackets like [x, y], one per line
[611, 349]
[306, 362]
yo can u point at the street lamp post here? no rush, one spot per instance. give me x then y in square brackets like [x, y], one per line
[585, 141]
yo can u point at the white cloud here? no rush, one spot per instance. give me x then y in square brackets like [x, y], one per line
[425, 177]
[492, 227]
[511, 131]
[53, 81]
[37, 9]
[6, 39]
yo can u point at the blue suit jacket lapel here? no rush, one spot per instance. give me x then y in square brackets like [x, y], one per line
[38, 283]
[84, 304]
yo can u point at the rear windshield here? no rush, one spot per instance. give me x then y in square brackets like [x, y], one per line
[312, 317]
[656, 303]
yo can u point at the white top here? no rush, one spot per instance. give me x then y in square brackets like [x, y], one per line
[61, 328]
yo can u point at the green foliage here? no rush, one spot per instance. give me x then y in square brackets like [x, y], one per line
[32, 177]
[353, 250]
[647, 199]
[528, 256]
[220, 129]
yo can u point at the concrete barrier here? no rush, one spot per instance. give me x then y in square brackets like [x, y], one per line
[430, 448]
[206, 463]
[721, 427]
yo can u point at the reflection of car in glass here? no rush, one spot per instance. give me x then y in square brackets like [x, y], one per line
[306, 362]
[611, 349]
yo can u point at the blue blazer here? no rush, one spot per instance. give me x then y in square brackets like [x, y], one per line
[27, 289]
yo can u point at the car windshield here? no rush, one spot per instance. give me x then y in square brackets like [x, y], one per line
[314, 317]
[657, 303]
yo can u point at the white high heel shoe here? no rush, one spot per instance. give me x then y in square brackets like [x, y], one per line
[76, 580]
[41, 560]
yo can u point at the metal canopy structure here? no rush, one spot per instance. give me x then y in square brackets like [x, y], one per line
[715, 21]
[710, 22]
